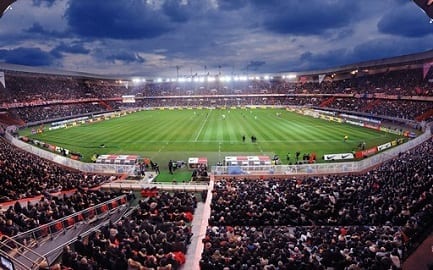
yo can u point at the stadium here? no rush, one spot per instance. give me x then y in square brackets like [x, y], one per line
[319, 169]
[364, 96]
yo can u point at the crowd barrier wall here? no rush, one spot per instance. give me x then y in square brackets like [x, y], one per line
[71, 163]
[302, 169]
[325, 168]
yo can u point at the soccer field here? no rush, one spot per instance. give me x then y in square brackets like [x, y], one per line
[178, 134]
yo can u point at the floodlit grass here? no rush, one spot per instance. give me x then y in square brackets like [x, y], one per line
[178, 134]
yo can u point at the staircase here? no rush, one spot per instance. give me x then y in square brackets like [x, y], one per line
[371, 105]
[9, 119]
[105, 105]
[19, 256]
[326, 102]
[424, 116]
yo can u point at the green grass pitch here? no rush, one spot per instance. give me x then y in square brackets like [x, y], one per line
[178, 134]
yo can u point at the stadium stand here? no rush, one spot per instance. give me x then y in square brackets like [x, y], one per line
[372, 220]
[154, 236]
[25, 175]
[367, 221]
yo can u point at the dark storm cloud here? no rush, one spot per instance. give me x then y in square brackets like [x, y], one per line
[263, 35]
[385, 47]
[27, 56]
[370, 50]
[37, 28]
[407, 21]
[74, 48]
[306, 17]
[132, 19]
[312, 61]
[127, 57]
[39, 3]
[175, 11]
[231, 4]
[255, 65]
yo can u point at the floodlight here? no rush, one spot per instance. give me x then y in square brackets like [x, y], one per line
[159, 80]
[257, 78]
[201, 79]
[236, 78]
[266, 77]
[243, 78]
[210, 78]
[228, 78]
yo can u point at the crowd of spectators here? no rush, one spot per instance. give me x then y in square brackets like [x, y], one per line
[28, 87]
[31, 92]
[219, 102]
[320, 247]
[34, 87]
[351, 104]
[56, 111]
[154, 236]
[403, 109]
[380, 213]
[23, 217]
[401, 82]
[24, 175]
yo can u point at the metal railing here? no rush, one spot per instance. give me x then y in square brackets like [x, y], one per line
[18, 256]
[57, 226]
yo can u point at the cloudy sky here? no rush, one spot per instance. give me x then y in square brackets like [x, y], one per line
[166, 37]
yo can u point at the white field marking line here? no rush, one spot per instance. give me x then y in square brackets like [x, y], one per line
[160, 149]
[260, 149]
[202, 126]
[232, 142]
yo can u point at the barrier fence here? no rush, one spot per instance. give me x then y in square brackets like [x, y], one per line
[323, 168]
[315, 168]
[71, 163]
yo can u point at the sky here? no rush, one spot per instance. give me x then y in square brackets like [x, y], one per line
[229, 37]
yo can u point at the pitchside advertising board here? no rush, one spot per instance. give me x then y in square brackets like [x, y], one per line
[128, 99]
[117, 159]
[195, 162]
[340, 156]
[361, 154]
[247, 160]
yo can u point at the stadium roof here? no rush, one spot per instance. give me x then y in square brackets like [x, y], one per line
[399, 60]
[4, 4]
